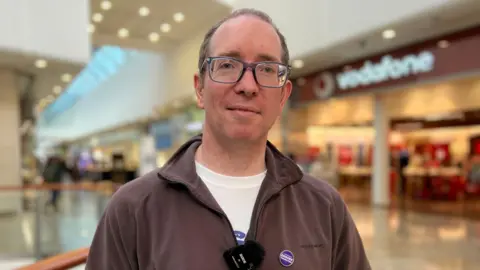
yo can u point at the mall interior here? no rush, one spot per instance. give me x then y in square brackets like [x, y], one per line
[385, 107]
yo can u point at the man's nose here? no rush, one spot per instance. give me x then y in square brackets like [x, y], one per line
[247, 84]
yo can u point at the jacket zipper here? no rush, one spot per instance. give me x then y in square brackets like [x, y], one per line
[206, 205]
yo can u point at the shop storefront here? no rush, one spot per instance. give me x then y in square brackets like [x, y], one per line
[98, 157]
[402, 121]
[163, 136]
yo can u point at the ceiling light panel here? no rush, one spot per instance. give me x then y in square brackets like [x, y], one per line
[41, 63]
[106, 5]
[154, 37]
[178, 17]
[123, 33]
[97, 17]
[57, 89]
[165, 27]
[297, 63]
[389, 34]
[66, 78]
[91, 28]
[144, 11]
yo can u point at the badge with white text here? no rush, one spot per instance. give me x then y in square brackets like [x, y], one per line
[286, 258]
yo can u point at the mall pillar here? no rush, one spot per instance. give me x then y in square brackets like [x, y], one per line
[10, 157]
[381, 157]
[148, 154]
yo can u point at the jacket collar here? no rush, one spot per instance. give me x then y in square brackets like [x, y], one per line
[281, 171]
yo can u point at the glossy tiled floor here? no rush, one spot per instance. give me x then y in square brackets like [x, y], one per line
[394, 240]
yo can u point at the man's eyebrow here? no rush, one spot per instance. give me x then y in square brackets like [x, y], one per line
[267, 57]
[258, 58]
[233, 54]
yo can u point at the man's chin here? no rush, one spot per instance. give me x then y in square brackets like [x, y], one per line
[244, 134]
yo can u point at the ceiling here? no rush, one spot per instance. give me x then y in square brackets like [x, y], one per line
[199, 13]
[452, 17]
[122, 14]
[126, 14]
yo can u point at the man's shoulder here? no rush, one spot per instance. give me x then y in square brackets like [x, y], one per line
[321, 190]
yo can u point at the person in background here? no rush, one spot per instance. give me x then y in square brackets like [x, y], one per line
[229, 186]
[472, 172]
[53, 173]
[403, 162]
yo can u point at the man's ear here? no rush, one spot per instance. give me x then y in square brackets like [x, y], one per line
[286, 92]
[198, 83]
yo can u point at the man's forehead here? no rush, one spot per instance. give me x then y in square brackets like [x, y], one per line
[246, 34]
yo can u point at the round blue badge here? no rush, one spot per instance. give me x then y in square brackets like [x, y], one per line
[286, 258]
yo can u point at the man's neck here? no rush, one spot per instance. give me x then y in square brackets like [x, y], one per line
[232, 159]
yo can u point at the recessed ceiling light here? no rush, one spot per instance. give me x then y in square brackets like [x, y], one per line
[389, 34]
[123, 33]
[144, 11]
[57, 89]
[178, 17]
[66, 77]
[106, 5]
[97, 17]
[443, 44]
[154, 37]
[50, 98]
[91, 28]
[41, 63]
[165, 27]
[297, 63]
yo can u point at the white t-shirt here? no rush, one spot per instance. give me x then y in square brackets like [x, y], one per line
[235, 195]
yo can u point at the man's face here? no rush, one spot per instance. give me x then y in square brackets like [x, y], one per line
[243, 110]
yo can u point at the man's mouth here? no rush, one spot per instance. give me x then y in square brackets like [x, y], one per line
[243, 109]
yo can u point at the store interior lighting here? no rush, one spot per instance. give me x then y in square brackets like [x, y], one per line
[443, 44]
[389, 34]
[297, 63]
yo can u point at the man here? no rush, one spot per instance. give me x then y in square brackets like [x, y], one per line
[230, 185]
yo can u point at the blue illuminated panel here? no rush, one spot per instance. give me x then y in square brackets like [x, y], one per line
[106, 61]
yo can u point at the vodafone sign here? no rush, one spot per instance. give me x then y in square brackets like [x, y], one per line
[400, 68]
[370, 73]
[388, 68]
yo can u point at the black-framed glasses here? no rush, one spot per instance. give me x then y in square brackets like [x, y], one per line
[231, 70]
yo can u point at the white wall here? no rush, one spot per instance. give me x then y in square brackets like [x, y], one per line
[130, 94]
[312, 25]
[50, 28]
[10, 142]
[182, 65]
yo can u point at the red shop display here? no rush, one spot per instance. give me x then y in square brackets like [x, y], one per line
[345, 155]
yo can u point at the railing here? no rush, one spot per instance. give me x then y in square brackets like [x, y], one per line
[39, 221]
[63, 261]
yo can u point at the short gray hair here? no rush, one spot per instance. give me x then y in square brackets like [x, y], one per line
[205, 47]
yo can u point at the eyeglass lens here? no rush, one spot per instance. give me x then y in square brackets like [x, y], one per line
[226, 70]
